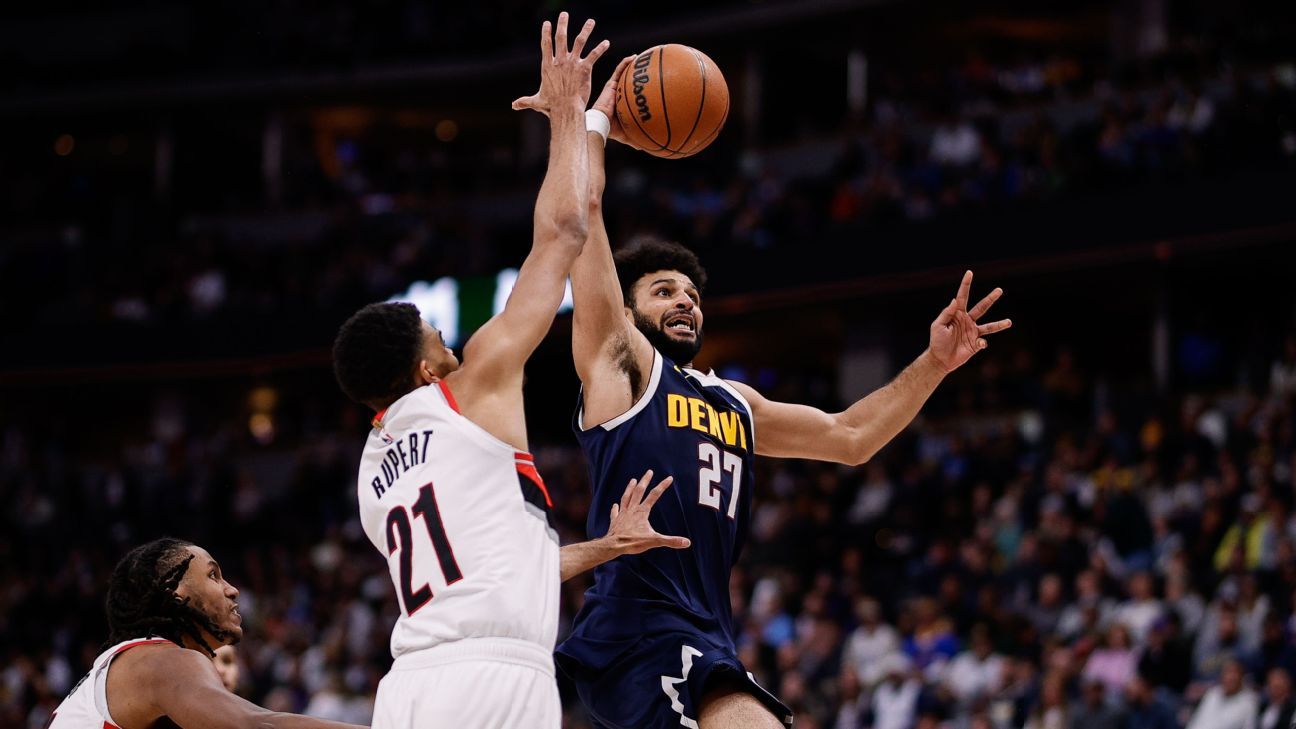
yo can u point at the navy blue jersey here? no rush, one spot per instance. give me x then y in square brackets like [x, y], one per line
[698, 428]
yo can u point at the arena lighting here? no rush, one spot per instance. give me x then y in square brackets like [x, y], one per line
[458, 306]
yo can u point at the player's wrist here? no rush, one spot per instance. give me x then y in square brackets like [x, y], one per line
[565, 115]
[597, 122]
[932, 364]
[616, 545]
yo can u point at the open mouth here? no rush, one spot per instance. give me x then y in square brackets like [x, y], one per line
[680, 324]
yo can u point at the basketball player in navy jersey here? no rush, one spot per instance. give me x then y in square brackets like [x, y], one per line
[653, 645]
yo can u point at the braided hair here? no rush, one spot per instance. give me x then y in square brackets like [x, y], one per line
[142, 601]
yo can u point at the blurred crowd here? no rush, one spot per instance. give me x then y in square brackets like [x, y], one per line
[362, 217]
[1024, 556]
[243, 38]
[1033, 553]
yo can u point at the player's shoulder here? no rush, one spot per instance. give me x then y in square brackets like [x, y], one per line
[744, 393]
[156, 659]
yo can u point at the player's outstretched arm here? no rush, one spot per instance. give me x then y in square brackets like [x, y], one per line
[501, 347]
[856, 434]
[628, 533]
[183, 686]
[610, 354]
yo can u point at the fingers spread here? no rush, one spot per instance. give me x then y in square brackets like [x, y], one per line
[677, 542]
[946, 317]
[616, 509]
[639, 487]
[578, 45]
[546, 40]
[984, 305]
[658, 491]
[965, 288]
[599, 50]
[560, 36]
[994, 326]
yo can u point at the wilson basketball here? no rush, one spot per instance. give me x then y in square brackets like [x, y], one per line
[672, 101]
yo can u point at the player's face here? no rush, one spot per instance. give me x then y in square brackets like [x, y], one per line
[226, 662]
[441, 360]
[210, 594]
[668, 310]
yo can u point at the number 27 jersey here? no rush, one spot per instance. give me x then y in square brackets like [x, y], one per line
[698, 428]
[464, 521]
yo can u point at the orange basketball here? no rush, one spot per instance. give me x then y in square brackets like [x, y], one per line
[672, 101]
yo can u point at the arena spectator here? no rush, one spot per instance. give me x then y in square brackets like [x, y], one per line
[870, 645]
[1229, 704]
[895, 699]
[1278, 705]
[1093, 710]
[1114, 664]
[1144, 710]
[1142, 609]
[975, 672]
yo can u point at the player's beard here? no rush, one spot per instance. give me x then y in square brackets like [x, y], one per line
[678, 351]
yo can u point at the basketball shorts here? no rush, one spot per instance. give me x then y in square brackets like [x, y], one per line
[660, 681]
[477, 683]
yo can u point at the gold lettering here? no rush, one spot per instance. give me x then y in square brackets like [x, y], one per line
[676, 411]
[697, 413]
[742, 433]
[713, 421]
[729, 427]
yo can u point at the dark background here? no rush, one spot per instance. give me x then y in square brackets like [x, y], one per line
[193, 197]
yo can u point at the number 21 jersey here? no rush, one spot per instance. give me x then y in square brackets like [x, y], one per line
[464, 521]
[698, 428]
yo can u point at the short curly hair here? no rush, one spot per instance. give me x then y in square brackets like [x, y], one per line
[375, 352]
[142, 601]
[645, 255]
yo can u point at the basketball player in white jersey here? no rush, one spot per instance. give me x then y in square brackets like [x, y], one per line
[169, 609]
[447, 490]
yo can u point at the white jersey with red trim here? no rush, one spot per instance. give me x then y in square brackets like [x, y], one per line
[86, 707]
[465, 523]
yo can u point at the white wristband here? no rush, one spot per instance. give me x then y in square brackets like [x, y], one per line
[597, 121]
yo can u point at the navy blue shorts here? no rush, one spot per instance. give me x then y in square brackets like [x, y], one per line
[659, 682]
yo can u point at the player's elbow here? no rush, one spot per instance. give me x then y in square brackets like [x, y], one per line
[566, 229]
[858, 458]
[860, 448]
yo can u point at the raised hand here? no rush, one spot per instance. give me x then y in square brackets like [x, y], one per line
[629, 531]
[956, 335]
[564, 75]
[606, 102]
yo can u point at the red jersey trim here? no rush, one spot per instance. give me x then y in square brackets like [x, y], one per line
[445, 390]
[529, 470]
[147, 641]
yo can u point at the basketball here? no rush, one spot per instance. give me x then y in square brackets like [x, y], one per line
[672, 101]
